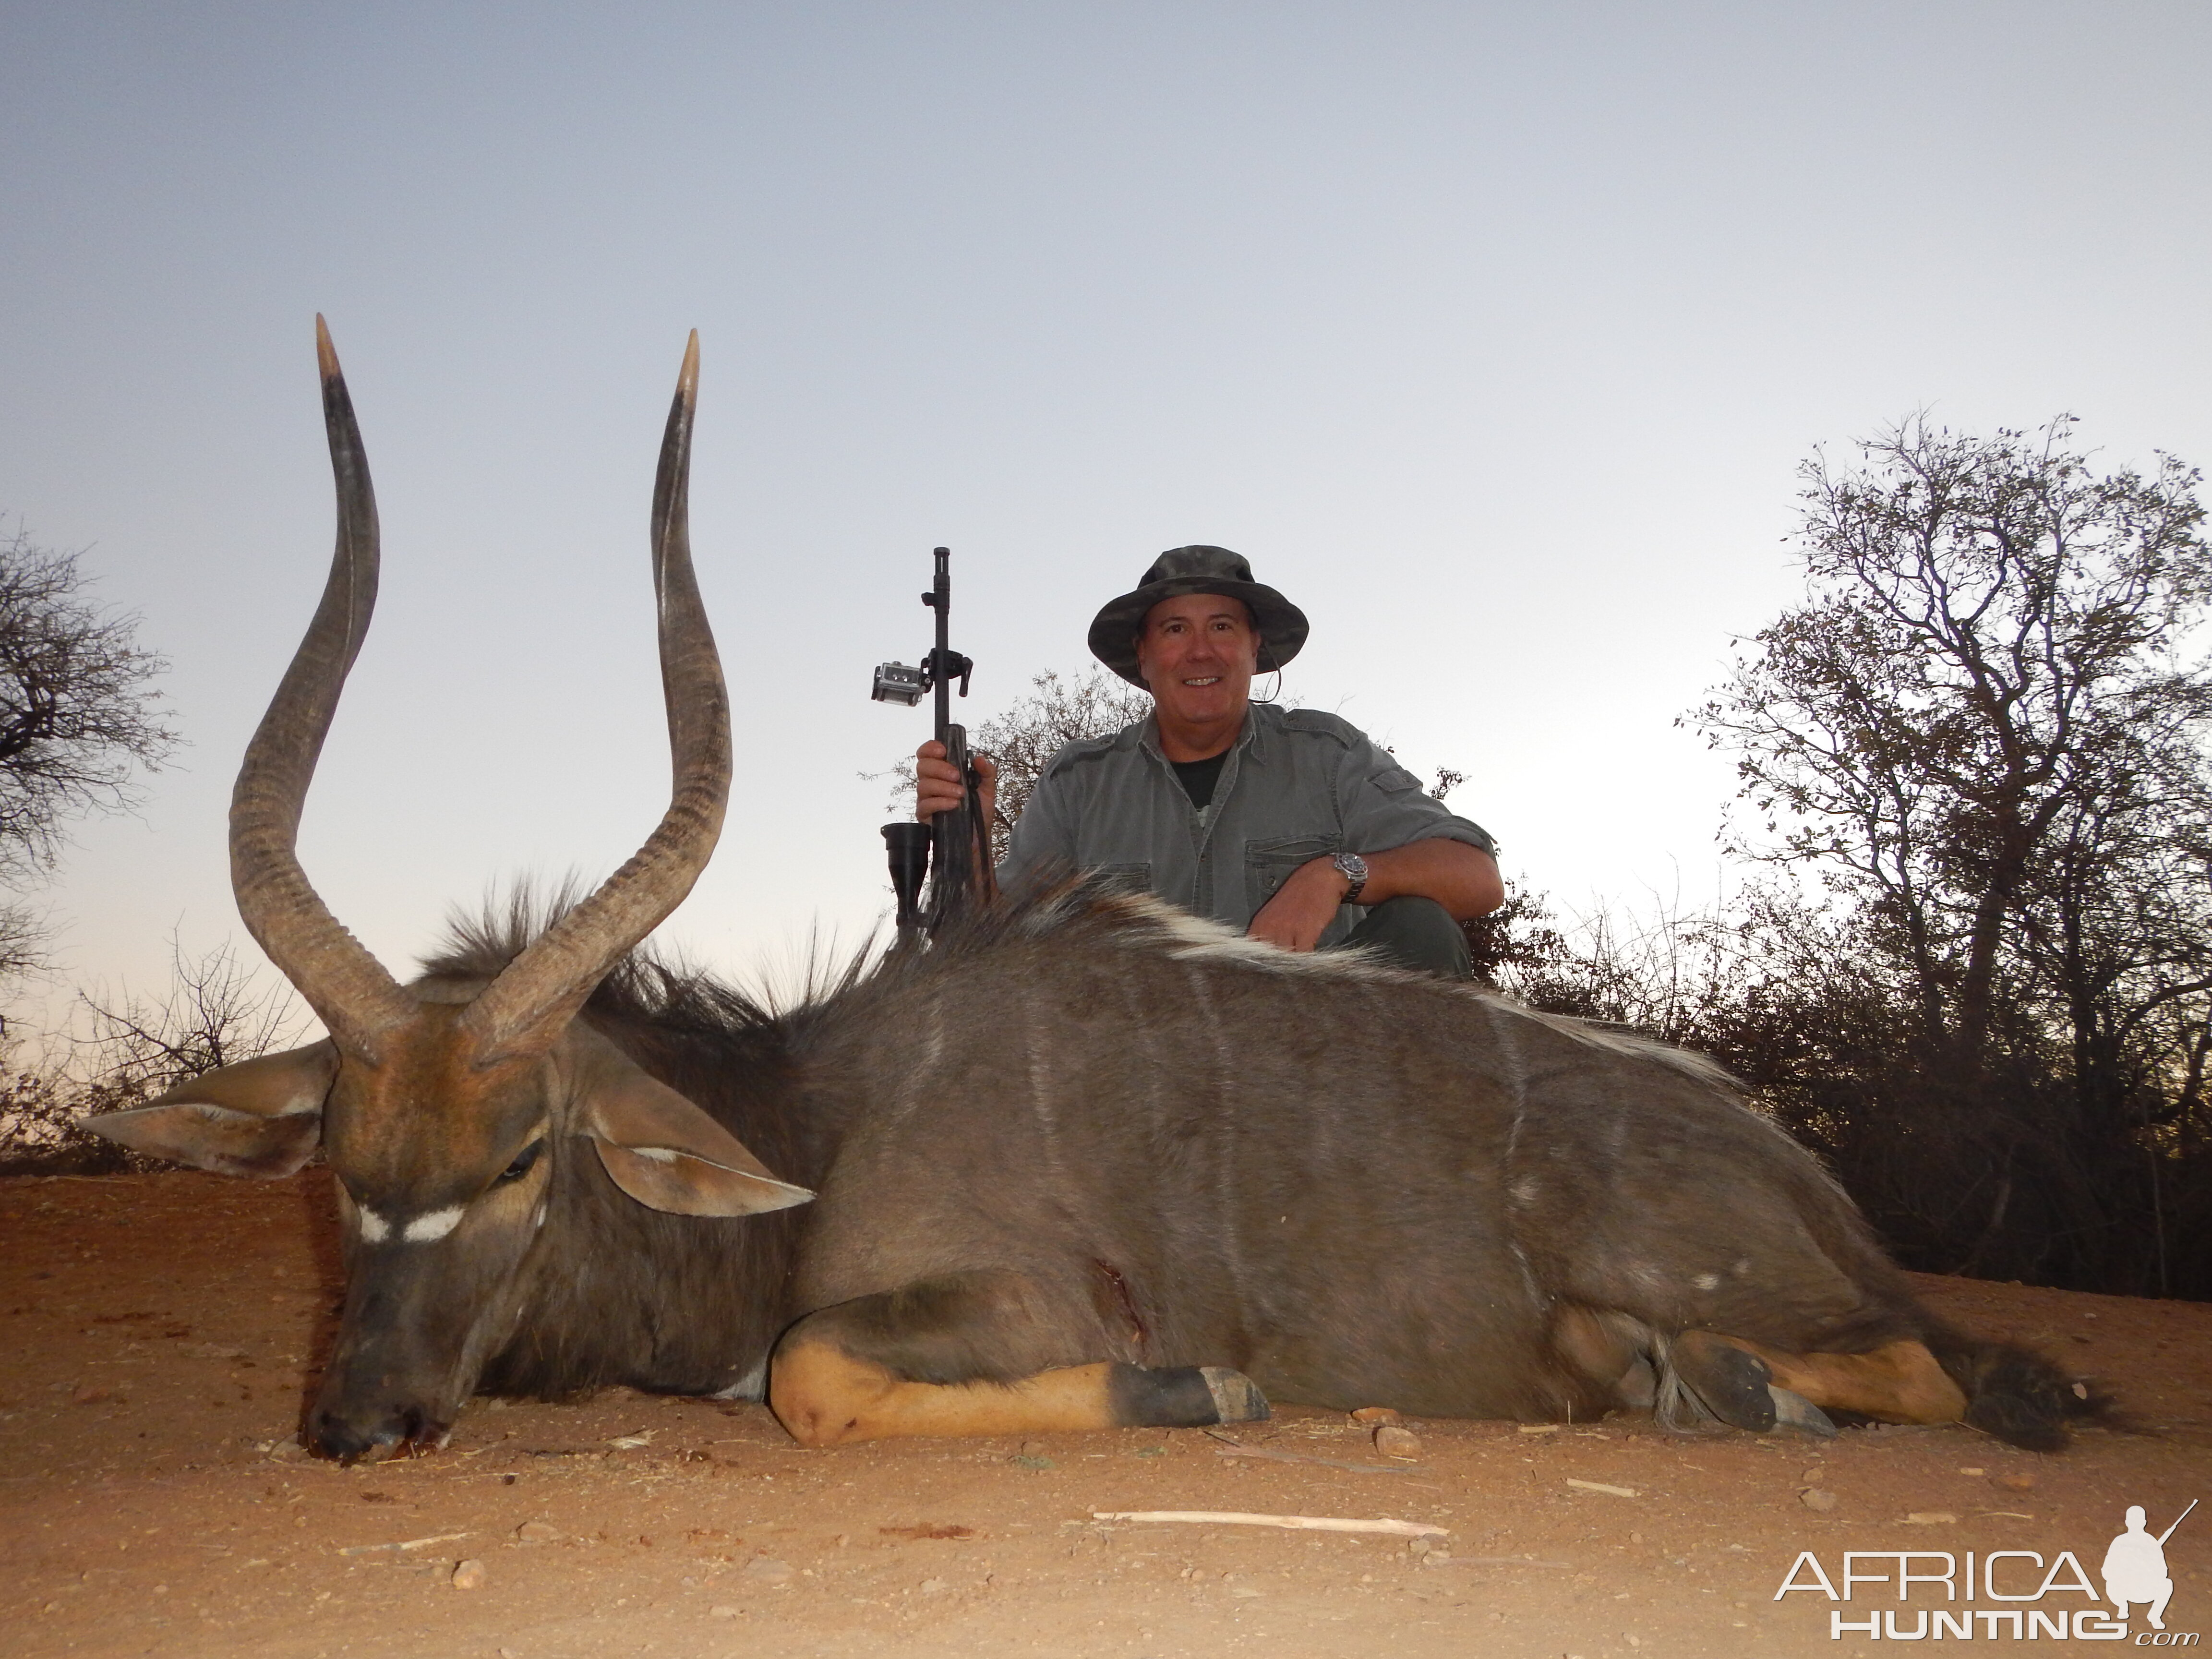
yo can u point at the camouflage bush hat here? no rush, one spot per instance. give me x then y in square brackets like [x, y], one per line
[1181, 570]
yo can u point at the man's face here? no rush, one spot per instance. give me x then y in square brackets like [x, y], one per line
[1198, 654]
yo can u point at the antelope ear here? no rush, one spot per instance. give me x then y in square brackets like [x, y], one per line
[668, 1155]
[260, 1117]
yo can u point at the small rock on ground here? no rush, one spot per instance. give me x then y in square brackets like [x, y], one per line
[468, 1575]
[1394, 1442]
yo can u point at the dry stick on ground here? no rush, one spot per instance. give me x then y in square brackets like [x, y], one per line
[1296, 1522]
[409, 1544]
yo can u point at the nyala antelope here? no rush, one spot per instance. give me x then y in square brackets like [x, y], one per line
[1085, 1161]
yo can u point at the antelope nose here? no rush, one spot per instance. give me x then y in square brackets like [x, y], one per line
[338, 1435]
[347, 1436]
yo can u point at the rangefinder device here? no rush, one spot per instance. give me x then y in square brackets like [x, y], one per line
[896, 683]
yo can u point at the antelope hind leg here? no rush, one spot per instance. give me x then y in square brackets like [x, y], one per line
[1898, 1382]
[944, 1357]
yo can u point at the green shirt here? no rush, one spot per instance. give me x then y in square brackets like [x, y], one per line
[1297, 785]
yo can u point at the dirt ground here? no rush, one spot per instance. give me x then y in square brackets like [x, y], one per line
[158, 1334]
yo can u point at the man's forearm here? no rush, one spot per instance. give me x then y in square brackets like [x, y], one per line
[1464, 879]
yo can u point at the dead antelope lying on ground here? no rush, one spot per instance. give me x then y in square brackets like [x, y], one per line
[1086, 1162]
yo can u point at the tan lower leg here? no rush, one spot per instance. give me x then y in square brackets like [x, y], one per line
[1898, 1383]
[826, 1397]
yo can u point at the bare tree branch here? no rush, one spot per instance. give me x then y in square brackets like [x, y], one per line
[215, 1013]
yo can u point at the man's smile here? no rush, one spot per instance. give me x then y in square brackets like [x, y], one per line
[1210, 679]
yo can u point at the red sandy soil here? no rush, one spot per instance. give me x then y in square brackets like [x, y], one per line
[158, 1334]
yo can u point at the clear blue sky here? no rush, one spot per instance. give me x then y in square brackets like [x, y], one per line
[1491, 334]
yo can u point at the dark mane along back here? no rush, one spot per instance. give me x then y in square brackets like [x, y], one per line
[647, 987]
[646, 993]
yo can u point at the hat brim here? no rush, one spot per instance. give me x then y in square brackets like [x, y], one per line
[1114, 631]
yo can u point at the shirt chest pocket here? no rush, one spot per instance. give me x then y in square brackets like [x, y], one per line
[1268, 862]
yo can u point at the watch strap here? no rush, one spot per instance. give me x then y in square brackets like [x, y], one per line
[1353, 868]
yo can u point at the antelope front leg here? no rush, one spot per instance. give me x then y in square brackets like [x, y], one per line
[933, 1359]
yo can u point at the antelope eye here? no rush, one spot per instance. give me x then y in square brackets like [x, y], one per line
[523, 1159]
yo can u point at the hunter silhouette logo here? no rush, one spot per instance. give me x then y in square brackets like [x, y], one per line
[2134, 1571]
[2134, 1566]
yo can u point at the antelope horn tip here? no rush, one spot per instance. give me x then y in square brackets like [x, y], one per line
[687, 379]
[325, 354]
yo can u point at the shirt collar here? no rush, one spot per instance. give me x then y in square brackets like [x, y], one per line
[1148, 735]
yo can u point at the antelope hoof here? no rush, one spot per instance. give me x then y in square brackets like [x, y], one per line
[1793, 1412]
[1733, 1385]
[1237, 1397]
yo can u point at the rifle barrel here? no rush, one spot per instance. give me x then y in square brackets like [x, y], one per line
[940, 601]
[2177, 1519]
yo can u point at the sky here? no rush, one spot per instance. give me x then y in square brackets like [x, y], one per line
[1493, 334]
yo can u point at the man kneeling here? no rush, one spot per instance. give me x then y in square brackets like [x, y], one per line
[1289, 824]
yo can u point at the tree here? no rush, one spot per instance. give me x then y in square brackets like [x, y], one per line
[1983, 732]
[217, 1013]
[77, 713]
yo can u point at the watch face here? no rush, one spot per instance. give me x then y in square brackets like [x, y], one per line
[1353, 869]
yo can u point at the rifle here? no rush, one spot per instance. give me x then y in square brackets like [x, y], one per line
[953, 848]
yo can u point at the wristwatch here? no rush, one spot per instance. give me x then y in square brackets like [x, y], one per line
[1353, 869]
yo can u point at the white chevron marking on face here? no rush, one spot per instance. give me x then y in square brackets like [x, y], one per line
[373, 1227]
[435, 1224]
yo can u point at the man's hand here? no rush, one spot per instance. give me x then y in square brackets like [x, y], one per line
[938, 786]
[1302, 906]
